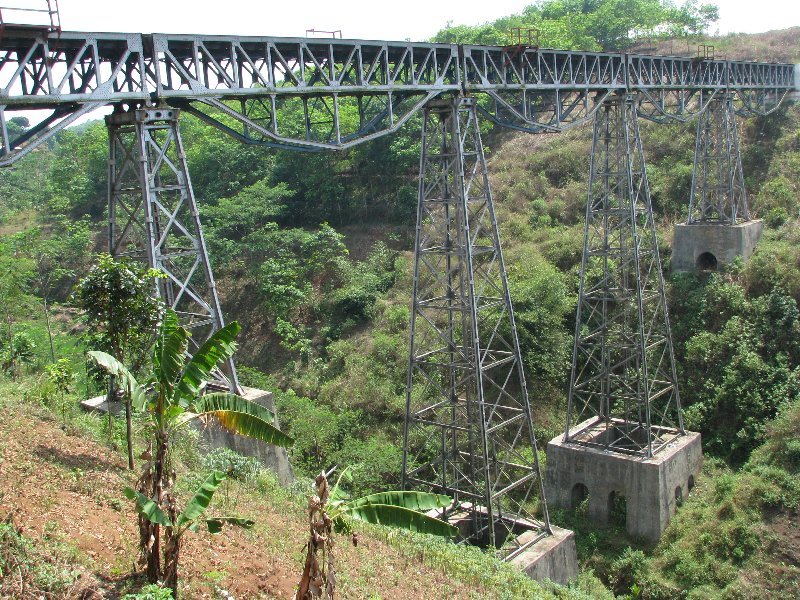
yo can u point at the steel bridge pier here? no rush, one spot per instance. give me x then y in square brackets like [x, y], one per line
[718, 193]
[719, 227]
[624, 436]
[469, 431]
[153, 218]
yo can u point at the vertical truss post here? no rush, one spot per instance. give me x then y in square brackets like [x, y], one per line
[623, 380]
[469, 431]
[718, 192]
[153, 217]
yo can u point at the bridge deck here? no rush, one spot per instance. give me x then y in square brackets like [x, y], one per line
[341, 92]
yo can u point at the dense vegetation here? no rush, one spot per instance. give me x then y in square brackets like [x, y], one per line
[589, 24]
[312, 255]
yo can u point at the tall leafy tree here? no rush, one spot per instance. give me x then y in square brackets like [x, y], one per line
[55, 258]
[16, 275]
[591, 24]
[121, 314]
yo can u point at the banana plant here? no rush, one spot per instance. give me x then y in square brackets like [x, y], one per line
[331, 510]
[172, 396]
[189, 519]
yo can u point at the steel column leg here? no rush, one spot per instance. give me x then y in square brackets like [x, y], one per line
[718, 191]
[469, 431]
[623, 375]
[153, 217]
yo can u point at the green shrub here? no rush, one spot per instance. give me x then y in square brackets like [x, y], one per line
[233, 464]
[31, 568]
[150, 592]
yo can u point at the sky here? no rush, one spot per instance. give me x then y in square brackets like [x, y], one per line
[413, 19]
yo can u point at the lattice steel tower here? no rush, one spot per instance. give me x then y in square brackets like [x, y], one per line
[623, 382]
[718, 192]
[153, 217]
[469, 432]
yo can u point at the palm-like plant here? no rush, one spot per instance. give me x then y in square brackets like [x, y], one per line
[329, 510]
[173, 396]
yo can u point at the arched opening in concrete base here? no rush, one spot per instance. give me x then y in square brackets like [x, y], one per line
[678, 497]
[707, 262]
[690, 483]
[617, 509]
[579, 495]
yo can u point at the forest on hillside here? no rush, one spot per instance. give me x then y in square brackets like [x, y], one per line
[312, 253]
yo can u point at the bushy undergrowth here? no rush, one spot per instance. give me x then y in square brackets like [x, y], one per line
[723, 530]
[489, 576]
[37, 570]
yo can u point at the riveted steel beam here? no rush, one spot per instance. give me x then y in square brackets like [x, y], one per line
[326, 94]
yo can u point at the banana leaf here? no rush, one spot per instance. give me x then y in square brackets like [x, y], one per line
[220, 346]
[202, 498]
[115, 368]
[215, 524]
[399, 517]
[148, 507]
[239, 415]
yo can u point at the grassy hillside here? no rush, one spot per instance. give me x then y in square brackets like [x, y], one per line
[67, 531]
[325, 313]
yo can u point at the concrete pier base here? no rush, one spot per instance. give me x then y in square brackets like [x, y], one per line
[708, 246]
[273, 457]
[553, 557]
[213, 436]
[547, 556]
[652, 488]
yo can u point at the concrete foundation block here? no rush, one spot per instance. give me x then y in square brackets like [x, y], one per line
[214, 436]
[653, 488]
[273, 457]
[553, 557]
[102, 405]
[707, 246]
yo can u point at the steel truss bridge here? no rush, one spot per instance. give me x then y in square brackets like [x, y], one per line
[469, 428]
[320, 94]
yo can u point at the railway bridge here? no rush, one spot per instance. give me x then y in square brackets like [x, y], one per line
[469, 430]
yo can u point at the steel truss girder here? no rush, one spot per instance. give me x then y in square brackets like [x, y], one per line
[623, 367]
[317, 94]
[153, 218]
[718, 192]
[469, 431]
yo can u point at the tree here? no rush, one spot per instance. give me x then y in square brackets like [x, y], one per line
[62, 378]
[19, 350]
[590, 24]
[171, 397]
[328, 511]
[121, 315]
[54, 259]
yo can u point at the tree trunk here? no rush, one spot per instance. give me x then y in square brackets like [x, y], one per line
[49, 331]
[150, 533]
[172, 549]
[129, 432]
[111, 397]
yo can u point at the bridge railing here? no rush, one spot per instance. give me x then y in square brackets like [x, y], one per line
[26, 17]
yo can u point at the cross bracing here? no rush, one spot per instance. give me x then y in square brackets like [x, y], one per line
[718, 191]
[469, 432]
[318, 94]
[623, 381]
[153, 218]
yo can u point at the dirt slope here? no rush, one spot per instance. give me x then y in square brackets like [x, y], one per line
[66, 488]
